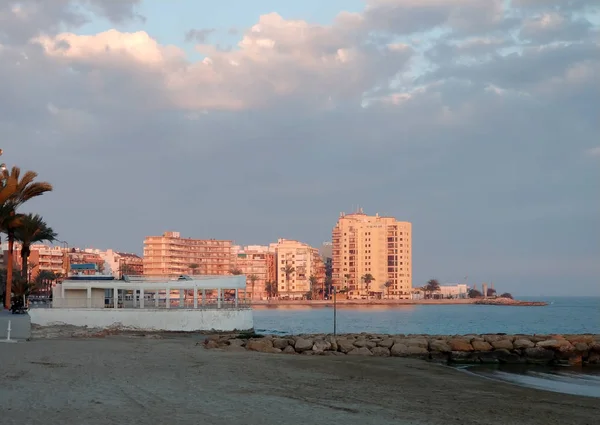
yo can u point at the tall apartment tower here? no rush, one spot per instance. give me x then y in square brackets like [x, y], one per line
[379, 246]
[171, 255]
[297, 262]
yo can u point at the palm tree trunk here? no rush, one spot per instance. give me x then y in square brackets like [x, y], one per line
[25, 252]
[9, 271]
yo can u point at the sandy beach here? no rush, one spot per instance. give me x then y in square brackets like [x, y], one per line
[170, 379]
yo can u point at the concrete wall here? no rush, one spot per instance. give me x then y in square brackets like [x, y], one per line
[146, 319]
[77, 298]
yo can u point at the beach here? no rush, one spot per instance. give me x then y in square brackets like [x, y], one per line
[173, 379]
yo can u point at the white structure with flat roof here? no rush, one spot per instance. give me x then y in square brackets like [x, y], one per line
[197, 303]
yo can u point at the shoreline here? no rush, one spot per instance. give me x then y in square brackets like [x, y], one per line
[505, 302]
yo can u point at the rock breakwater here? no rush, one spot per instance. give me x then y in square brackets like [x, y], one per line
[458, 349]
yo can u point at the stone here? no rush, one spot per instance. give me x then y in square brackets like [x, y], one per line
[386, 343]
[439, 346]
[210, 344]
[360, 351]
[371, 344]
[464, 357]
[594, 358]
[402, 350]
[289, 350]
[581, 347]
[553, 343]
[332, 340]
[360, 343]
[380, 352]
[595, 347]
[416, 342]
[491, 338]
[523, 343]
[345, 346]
[488, 357]
[505, 356]
[320, 346]
[481, 345]
[502, 344]
[281, 343]
[460, 345]
[260, 345]
[236, 342]
[538, 355]
[303, 345]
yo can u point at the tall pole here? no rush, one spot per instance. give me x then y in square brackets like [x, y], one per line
[334, 311]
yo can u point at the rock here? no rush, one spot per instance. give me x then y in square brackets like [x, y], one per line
[502, 344]
[320, 346]
[402, 350]
[210, 344]
[439, 346]
[360, 351]
[552, 343]
[386, 343]
[460, 345]
[236, 342]
[371, 344]
[595, 347]
[289, 350]
[464, 357]
[488, 357]
[481, 345]
[538, 355]
[594, 358]
[345, 346]
[303, 345]
[492, 338]
[281, 343]
[380, 352]
[581, 347]
[332, 340]
[416, 342]
[260, 345]
[360, 343]
[505, 356]
[522, 343]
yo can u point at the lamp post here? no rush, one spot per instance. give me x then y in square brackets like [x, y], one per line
[334, 311]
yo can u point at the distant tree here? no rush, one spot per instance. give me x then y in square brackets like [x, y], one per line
[252, 278]
[308, 295]
[474, 293]
[126, 269]
[506, 295]
[271, 289]
[347, 277]
[288, 271]
[433, 285]
[491, 292]
[236, 272]
[314, 282]
[194, 267]
[328, 285]
[388, 285]
[367, 279]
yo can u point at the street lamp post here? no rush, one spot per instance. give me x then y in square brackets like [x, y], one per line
[334, 311]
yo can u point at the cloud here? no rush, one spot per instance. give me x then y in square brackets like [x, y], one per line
[593, 152]
[467, 117]
[198, 35]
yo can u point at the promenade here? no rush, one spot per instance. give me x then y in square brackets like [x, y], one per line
[170, 379]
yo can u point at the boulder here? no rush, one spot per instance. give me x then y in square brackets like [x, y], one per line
[319, 346]
[538, 355]
[458, 344]
[439, 346]
[595, 347]
[332, 340]
[505, 356]
[580, 347]
[386, 343]
[502, 344]
[371, 344]
[236, 342]
[481, 345]
[360, 343]
[380, 352]
[260, 345]
[360, 351]
[416, 342]
[463, 357]
[289, 350]
[345, 346]
[303, 345]
[402, 350]
[210, 344]
[491, 338]
[553, 343]
[594, 358]
[281, 343]
[488, 357]
[523, 343]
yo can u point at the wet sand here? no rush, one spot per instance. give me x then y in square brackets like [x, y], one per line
[141, 380]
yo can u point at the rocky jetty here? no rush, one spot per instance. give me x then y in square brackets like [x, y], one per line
[509, 302]
[465, 349]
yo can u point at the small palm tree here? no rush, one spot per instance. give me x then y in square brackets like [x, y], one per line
[367, 279]
[432, 286]
[314, 281]
[252, 278]
[388, 285]
[271, 289]
[288, 270]
[31, 229]
[236, 272]
[16, 190]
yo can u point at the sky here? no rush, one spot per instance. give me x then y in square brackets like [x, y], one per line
[476, 120]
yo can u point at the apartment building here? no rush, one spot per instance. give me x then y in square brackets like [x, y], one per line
[171, 255]
[87, 256]
[41, 258]
[257, 261]
[297, 263]
[121, 263]
[372, 245]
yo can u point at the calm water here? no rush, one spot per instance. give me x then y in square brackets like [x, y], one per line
[576, 381]
[563, 315]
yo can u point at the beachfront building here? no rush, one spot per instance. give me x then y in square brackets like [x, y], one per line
[372, 245]
[172, 255]
[197, 303]
[122, 263]
[41, 258]
[300, 270]
[447, 291]
[257, 263]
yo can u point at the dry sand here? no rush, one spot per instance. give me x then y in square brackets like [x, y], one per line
[141, 380]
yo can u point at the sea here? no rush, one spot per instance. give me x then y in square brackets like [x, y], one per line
[562, 315]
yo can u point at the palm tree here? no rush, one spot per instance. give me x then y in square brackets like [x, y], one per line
[288, 270]
[252, 278]
[31, 229]
[367, 279]
[314, 280]
[19, 189]
[271, 289]
[347, 279]
[236, 272]
[433, 285]
[388, 285]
